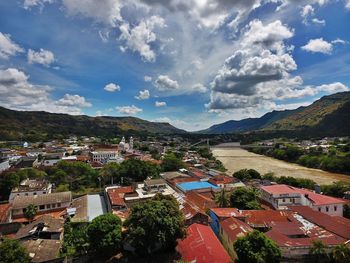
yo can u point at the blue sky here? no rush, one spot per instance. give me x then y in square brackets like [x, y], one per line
[193, 63]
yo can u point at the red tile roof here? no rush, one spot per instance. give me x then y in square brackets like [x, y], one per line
[200, 201]
[263, 218]
[116, 195]
[279, 189]
[337, 225]
[235, 228]
[222, 179]
[316, 199]
[202, 246]
[4, 212]
[225, 212]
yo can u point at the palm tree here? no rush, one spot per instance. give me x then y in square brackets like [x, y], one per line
[318, 249]
[222, 199]
[341, 254]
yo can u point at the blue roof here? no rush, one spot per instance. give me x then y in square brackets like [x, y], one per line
[195, 185]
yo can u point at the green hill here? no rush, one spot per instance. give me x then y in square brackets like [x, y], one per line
[40, 125]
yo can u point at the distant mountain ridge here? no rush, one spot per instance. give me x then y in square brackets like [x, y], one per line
[37, 125]
[328, 115]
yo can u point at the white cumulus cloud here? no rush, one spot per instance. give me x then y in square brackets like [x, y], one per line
[160, 104]
[165, 83]
[140, 37]
[43, 57]
[318, 46]
[129, 110]
[111, 87]
[143, 95]
[8, 47]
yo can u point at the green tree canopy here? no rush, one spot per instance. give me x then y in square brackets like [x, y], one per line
[155, 224]
[11, 251]
[137, 170]
[341, 254]
[31, 211]
[244, 198]
[247, 174]
[171, 163]
[222, 199]
[257, 248]
[318, 250]
[105, 234]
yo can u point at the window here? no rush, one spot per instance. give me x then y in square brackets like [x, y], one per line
[319, 209]
[48, 206]
[26, 194]
[335, 208]
[283, 200]
[53, 205]
[327, 208]
[59, 205]
[42, 207]
[34, 193]
[44, 192]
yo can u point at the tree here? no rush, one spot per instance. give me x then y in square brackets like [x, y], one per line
[222, 199]
[171, 163]
[30, 212]
[110, 171]
[154, 225]
[76, 240]
[105, 234]
[244, 198]
[12, 251]
[318, 249]
[255, 247]
[136, 170]
[341, 254]
[246, 175]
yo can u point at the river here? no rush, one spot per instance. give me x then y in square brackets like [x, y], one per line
[235, 158]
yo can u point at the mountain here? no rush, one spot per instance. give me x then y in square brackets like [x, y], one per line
[249, 124]
[328, 116]
[38, 125]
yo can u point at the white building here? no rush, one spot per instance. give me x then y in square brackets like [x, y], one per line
[280, 196]
[31, 188]
[103, 156]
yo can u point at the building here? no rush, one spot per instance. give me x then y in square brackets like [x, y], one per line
[45, 227]
[280, 196]
[45, 203]
[155, 185]
[199, 185]
[202, 246]
[230, 230]
[219, 214]
[115, 197]
[103, 156]
[4, 165]
[43, 250]
[31, 187]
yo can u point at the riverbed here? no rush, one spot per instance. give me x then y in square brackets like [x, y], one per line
[236, 158]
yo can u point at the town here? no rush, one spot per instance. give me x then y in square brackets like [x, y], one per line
[160, 199]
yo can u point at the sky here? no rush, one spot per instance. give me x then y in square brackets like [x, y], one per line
[192, 63]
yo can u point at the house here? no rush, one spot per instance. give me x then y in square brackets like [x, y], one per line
[155, 185]
[202, 246]
[103, 156]
[31, 187]
[230, 230]
[193, 214]
[5, 212]
[45, 227]
[115, 197]
[295, 237]
[43, 250]
[224, 181]
[280, 196]
[219, 214]
[45, 203]
[200, 200]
